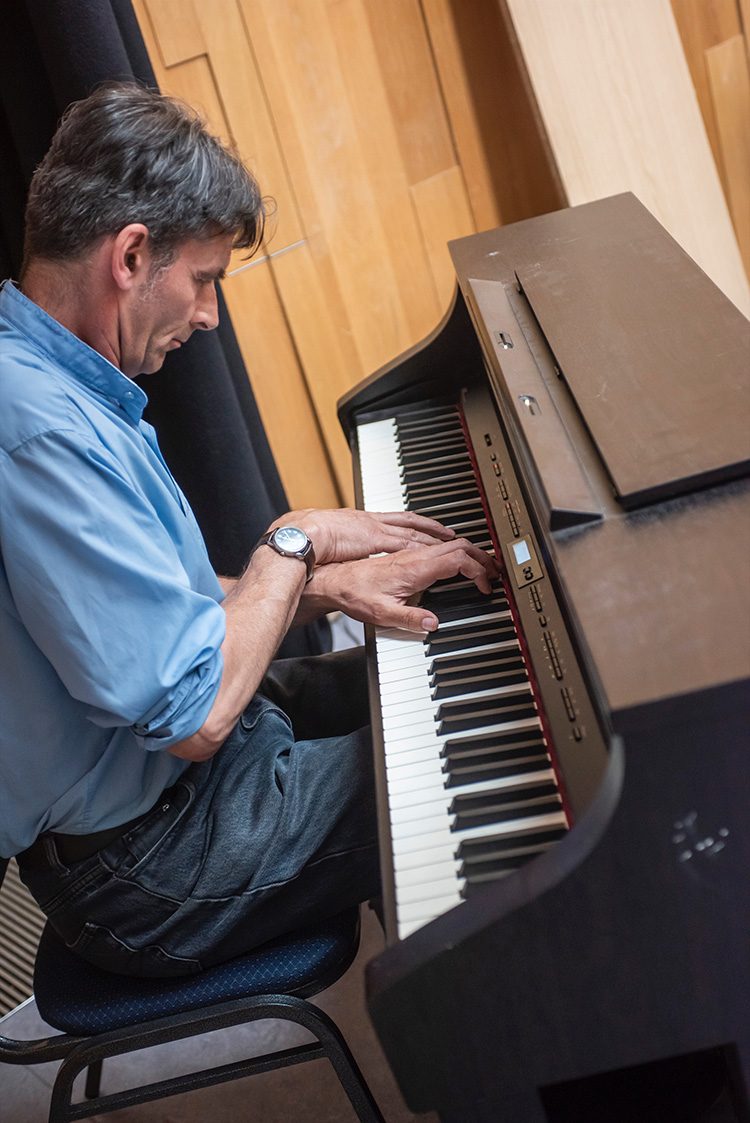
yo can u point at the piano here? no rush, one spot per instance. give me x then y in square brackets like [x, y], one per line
[563, 766]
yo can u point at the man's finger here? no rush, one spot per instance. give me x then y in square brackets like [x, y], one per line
[421, 523]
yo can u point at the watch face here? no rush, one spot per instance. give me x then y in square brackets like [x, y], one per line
[290, 538]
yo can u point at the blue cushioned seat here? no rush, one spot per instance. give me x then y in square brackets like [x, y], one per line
[75, 997]
[103, 1015]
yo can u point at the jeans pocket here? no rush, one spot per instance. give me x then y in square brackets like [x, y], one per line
[256, 709]
[100, 947]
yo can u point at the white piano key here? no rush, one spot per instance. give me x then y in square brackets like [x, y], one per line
[420, 911]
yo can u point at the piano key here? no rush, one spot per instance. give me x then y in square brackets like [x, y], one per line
[404, 809]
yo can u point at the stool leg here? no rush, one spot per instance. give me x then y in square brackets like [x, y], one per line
[93, 1077]
[339, 1054]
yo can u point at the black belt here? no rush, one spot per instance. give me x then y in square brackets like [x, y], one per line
[72, 848]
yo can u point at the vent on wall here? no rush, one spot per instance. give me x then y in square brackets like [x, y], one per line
[21, 924]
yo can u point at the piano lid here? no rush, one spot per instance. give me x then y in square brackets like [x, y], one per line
[655, 356]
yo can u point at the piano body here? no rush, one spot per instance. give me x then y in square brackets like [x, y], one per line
[563, 771]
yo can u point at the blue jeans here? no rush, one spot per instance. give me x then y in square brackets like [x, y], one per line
[276, 830]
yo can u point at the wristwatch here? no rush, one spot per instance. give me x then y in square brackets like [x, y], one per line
[290, 542]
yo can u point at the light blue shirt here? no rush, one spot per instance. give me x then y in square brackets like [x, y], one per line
[110, 618]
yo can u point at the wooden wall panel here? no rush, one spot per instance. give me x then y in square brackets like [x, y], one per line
[621, 114]
[507, 166]
[243, 99]
[718, 57]
[703, 24]
[408, 70]
[280, 388]
[177, 30]
[729, 80]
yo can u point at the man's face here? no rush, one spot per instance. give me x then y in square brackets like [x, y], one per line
[170, 304]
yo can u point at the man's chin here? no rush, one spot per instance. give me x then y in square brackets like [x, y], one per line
[152, 365]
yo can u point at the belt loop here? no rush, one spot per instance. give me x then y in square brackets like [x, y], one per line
[50, 851]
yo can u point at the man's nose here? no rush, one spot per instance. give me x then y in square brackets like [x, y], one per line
[207, 311]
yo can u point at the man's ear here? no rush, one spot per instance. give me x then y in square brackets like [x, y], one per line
[131, 256]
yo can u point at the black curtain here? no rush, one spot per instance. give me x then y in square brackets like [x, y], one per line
[201, 403]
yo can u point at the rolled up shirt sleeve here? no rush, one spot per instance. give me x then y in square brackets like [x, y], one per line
[109, 575]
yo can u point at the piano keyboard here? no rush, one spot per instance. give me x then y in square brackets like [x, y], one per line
[472, 793]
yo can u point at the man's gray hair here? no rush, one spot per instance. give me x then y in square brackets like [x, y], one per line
[128, 154]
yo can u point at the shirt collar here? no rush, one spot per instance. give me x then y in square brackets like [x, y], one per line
[67, 350]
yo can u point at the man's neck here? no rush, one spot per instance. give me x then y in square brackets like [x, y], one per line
[74, 295]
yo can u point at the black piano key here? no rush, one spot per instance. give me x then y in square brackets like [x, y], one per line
[457, 666]
[447, 512]
[455, 717]
[475, 851]
[492, 767]
[446, 614]
[426, 412]
[508, 741]
[503, 806]
[462, 636]
[475, 884]
[414, 456]
[450, 444]
[457, 471]
[462, 526]
[416, 491]
[450, 611]
[420, 419]
[465, 594]
[479, 874]
[453, 687]
[435, 428]
[451, 584]
[478, 538]
[455, 490]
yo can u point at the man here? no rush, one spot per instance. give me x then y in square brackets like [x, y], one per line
[166, 810]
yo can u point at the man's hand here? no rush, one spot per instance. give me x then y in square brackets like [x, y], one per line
[375, 590]
[347, 534]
